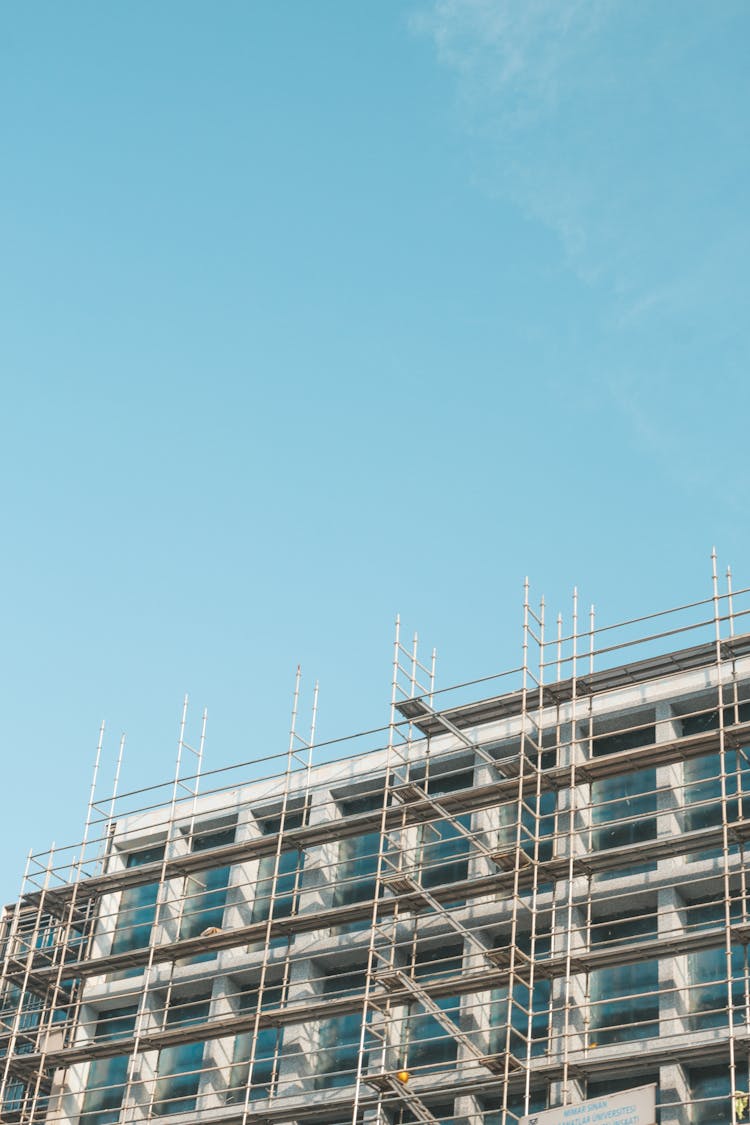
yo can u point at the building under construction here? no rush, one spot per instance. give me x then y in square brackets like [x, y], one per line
[523, 892]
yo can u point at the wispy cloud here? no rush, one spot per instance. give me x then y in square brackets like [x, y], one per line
[518, 65]
[518, 49]
[621, 131]
[589, 120]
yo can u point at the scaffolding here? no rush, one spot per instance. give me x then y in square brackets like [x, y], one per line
[522, 891]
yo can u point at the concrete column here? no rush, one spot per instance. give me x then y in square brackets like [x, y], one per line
[217, 1053]
[673, 971]
[319, 871]
[668, 777]
[674, 1089]
[299, 1046]
[244, 876]
[577, 1022]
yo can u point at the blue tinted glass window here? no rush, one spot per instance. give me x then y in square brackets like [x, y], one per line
[624, 1002]
[284, 887]
[444, 848]
[339, 1037]
[358, 855]
[702, 792]
[623, 809]
[708, 997]
[268, 1046]
[137, 906]
[206, 890]
[429, 1043]
[623, 740]
[522, 1017]
[710, 1092]
[107, 1077]
[607, 1086]
[705, 720]
[516, 1108]
[179, 1067]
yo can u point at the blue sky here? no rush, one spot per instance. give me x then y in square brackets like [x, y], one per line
[312, 313]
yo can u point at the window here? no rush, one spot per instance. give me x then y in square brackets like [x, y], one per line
[623, 740]
[444, 849]
[492, 1108]
[108, 1077]
[428, 1044]
[708, 1001]
[285, 887]
[29, 1018]
[339, 1037]
[624, 1001]
[179, 1068]
[529, 1009]
[267, 1049]
[14, 1095]
[608, 1086]
[710, 1094]
[358, 855]
[636, 925]
[702, 793]
[206, 890]
[624, 809]
[706, 720]
[137, 906]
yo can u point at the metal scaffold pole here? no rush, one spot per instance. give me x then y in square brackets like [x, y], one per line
[131, 1108]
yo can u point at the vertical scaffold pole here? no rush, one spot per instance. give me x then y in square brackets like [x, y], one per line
[161, 901]
[110, 818]
[61, 937]
[287, 781]
[513, 969]
[730, 602]
[536, 852]
[724, 833]
[571, 852]
[363, 1060]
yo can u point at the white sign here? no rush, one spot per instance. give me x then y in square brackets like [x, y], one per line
[628, 1107]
